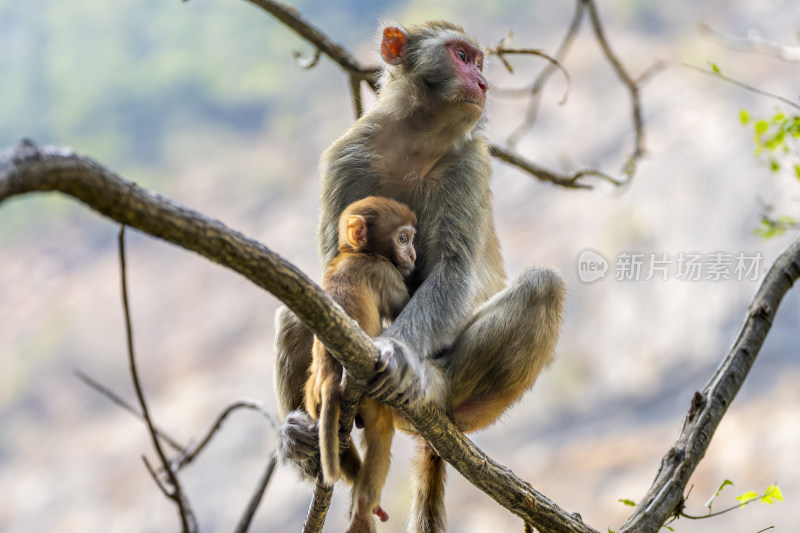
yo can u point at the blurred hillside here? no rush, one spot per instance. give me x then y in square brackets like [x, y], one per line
[202, 102]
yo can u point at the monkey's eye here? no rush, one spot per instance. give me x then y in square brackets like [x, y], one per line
[403, 238]
[462, 55]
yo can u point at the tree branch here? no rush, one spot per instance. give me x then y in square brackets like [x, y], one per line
[188, 521]
[541, 79]
[255, 500]
[28, 169]
[754, 42]
[630, 84]
[665, 496]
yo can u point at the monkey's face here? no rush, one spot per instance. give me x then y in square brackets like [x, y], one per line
[467, 62]
[404, 255]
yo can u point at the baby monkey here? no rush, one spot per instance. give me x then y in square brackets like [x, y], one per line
[376, 253]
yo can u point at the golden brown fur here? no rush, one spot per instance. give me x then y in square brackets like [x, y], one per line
[366, 279]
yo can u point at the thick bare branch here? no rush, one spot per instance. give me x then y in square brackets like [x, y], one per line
[665, 496]
[28, 169]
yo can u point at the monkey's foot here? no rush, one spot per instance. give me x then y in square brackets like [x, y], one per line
[382, 515]
[299, 443]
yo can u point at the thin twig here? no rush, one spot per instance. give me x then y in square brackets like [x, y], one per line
[188, 522]
[111, 395]
[541, 79]
[630, 84]
[255, 500]
[293, 20]
[241, 404]
[572, 181]
[304, 63]
[743, 85]
[501, 52]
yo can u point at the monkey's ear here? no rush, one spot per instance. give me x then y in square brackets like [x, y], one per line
[356, 231]
[392, 44]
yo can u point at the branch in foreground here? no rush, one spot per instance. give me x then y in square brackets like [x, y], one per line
[320, 502]
[665, 496]
[28, 169]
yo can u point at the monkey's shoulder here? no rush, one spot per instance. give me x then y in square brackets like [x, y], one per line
[362, 271]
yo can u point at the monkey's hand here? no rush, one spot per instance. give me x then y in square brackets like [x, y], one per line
[403, 377]
[299, 443]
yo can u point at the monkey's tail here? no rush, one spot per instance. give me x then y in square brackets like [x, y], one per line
[329, 437]
[427, 510]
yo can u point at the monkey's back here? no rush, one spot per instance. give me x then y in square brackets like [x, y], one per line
[365, 285]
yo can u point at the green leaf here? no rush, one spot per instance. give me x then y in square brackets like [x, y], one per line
[773, 493]
[744, 116]
[715, 68]
[746, 497]
[797, 170]
[774, 166]
[761, 127]
[629, 503]
[722, 486]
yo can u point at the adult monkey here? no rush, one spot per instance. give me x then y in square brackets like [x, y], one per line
[463, 341]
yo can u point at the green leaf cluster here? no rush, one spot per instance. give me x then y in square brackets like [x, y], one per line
[773, 138]
[772, 494]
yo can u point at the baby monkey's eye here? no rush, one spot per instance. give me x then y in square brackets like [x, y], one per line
[462, 55]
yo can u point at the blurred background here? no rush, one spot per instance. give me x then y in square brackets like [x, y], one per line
[202, 102]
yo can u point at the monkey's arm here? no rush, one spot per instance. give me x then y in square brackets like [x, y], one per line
[433, 316]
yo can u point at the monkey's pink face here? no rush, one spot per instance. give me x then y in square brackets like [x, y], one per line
[468, 62]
